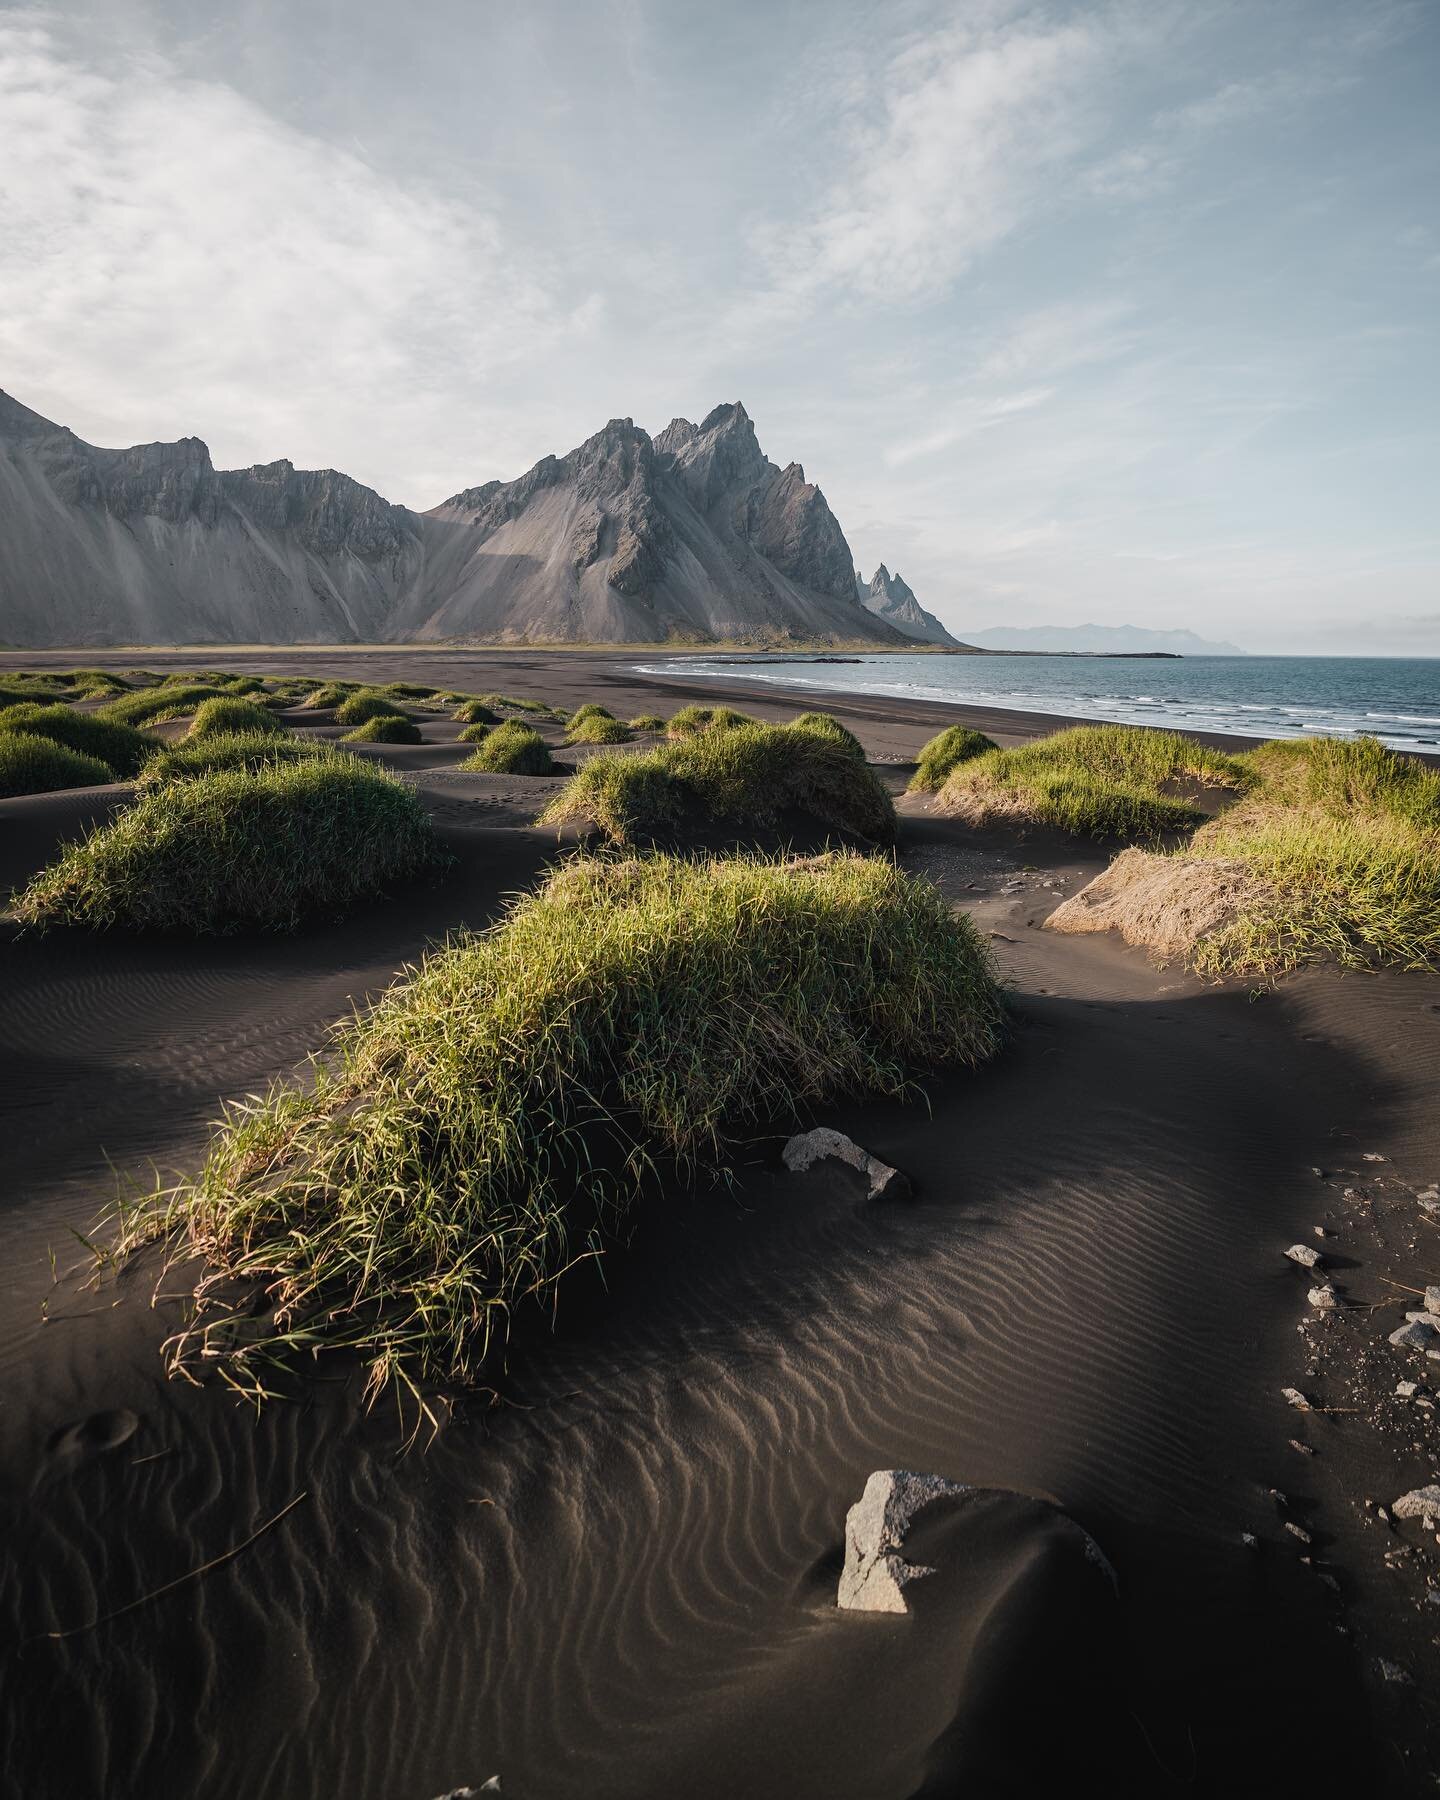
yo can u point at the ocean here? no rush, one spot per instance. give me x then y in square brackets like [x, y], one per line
[1396, 699]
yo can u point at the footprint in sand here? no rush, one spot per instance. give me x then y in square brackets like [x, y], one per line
[71, 1446]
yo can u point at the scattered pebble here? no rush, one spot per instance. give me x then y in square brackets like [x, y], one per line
[1371, 1156]
[1304, 1449]
[1406, 1388]
[1304, 1255]
[1392, 1671]
[1432, 1299]
[1249, 1539]
[1322, 1298]
[1298, 1531]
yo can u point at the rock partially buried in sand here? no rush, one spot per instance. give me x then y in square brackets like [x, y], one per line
[875, 1575]
[822, 1145]
[492, 1786]
[1322, 1298]
[1304, 1255]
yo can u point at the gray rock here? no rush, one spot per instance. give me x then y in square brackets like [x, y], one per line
[1296, 1399]
[1322, 1298]
[1432, 1299]
[1419, 1503]
[822, 1144]
[1416, 1334]
[1405, 1389]
[875, 1575]
[1304, 1255]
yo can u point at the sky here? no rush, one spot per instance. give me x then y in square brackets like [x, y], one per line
[1124, 311]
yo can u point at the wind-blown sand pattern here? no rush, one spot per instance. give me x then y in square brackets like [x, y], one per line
[621, 1582]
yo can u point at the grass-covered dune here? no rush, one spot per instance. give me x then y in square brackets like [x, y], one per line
[234, 851]
[944, 753]
[746, 776]
[385, 728]
[122, 748]
[476, 712]
[591, 724]
[1333, 853]
[510, 749]
[695, 721]
[229, 751]
[646, 722]
[1121, 781]
[224, 716]
[366, 704]
[37, 765]
[150, 706]
[440, 1167]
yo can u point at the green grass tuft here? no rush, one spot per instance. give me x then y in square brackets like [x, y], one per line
[385, 728]
[1094, 781]
[695, 721]
[476, 734]
[832, 729]
[366, 703]
[489, 1122]
[646, 722]
[750, 777]
[511, 749]
[225, 717]
[37, 765]
[149, 706]
[232, 851]
[121, 748]
[330, 693]
[597, 728]
[476, 712]
[944, 752]
[248, 750]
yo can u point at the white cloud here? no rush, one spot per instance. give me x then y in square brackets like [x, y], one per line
[178, 256]
[951, 142]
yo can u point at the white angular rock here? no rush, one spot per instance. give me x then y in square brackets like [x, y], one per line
[1416, 1335]
[1304, 1255]
[1296, 1399]
[1405, 1389]
[822, 1144]
[1322, 1298]
[875, 1575]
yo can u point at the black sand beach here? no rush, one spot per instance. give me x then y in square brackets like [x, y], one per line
[620, 1580]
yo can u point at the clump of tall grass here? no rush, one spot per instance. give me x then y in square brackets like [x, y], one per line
[1333, 854]
[476, 712]
[366, 703]
[121, 747]
[1094, 781]
[37, 765]
[646, 723]
[476, 734]
[411, 690]
[593, 725]
[235, 851]
[249, 750]
[93, 684]
[330, 693]
[487, 1124]
[695, 721]
[224, 717]
[511, 749]
[749, 777]
[150, 706]
[831, 728]
[946, 751]
[518, 703]
[385, 728]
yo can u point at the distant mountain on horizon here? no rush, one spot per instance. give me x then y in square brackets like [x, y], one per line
[691, 537]
[890, 597]
[1116, 640]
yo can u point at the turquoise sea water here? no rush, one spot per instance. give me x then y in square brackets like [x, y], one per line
[1396, 699]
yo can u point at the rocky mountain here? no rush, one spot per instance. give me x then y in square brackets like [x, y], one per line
[1100, 640]
[692, 536]
[890, 597]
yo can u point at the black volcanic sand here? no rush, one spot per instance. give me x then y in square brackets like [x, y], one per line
[620, 1581]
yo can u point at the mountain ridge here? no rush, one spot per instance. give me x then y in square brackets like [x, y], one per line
[693, 536]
